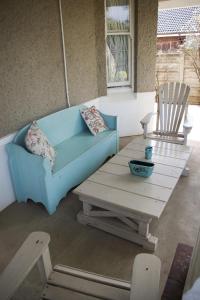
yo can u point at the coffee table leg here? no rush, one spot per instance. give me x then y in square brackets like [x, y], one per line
[143, 231]
[119, 225]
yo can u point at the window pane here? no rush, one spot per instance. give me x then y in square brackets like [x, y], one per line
[117, 14]
[117, 58]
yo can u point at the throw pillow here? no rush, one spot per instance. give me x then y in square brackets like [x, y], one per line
[37, 143]
[93, 120]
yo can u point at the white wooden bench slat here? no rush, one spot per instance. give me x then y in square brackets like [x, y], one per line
[175, 99]
[127, 184]
[88, 287]
[163, 102]
[93, 276]
[113, 198]
[156, 179]
[169, 161]
[160, 144]
[158, 168]
[178, 106]
[161, 151]
[166, 138]
[170, 100]
[143, 266]
[161, 122]
[56, 293]
[183, 106]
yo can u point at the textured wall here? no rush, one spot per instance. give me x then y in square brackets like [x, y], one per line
[146, 12]
[31, 64]
[84, 33]
[100, 47]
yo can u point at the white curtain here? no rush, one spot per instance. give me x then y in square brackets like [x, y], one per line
[117, 14]
[117, 58]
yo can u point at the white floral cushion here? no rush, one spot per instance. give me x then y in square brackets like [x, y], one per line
[37, 143]
[93, 120]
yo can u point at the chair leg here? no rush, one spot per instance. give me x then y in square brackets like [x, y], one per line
[186, 172]
[145, 130]
[185, 139]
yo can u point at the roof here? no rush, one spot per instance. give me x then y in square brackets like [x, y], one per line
[178, 20]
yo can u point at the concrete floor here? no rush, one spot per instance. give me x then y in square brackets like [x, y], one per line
[88, 248]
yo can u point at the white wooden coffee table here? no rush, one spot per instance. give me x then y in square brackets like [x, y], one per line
[124, 205]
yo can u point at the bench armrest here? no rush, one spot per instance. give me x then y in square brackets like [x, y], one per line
[34, 249]
[145, 277]
[20, 156]
[111, 121]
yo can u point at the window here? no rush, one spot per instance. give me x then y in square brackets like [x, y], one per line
[118, 52]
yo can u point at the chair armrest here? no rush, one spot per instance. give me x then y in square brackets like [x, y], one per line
[145, 277]
[146, 120]
[187, 125]
[22, 263]
[111, 121]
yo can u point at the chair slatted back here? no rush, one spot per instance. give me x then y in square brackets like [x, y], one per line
[173, 98]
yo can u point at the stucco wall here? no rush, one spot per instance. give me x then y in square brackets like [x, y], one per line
[31, 65]
[31, 59]
[85, 43]
[146, 12]
[32, 73]
[100, 47]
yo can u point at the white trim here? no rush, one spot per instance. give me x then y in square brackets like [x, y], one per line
[130, 49]
[7, 195]
[118, 33]
[64, 53]
[6, 139]
[178, 34]
[120, 83]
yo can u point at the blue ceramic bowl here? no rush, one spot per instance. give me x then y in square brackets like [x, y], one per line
[141, 168]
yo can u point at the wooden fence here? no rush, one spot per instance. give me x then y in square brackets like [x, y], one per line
[178, 66]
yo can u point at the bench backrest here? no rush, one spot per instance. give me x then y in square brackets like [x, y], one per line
[58, 126]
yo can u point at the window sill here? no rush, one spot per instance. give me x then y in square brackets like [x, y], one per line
[121, 89]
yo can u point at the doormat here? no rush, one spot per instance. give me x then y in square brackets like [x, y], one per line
[176, 280]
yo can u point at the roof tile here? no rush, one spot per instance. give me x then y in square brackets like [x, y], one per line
[178, 20]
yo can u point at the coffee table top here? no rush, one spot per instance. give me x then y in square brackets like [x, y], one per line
[113, 185]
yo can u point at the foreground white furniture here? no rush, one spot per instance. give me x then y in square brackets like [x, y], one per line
[65, 283]
[172, 109]
[193, 273]
[122, 204]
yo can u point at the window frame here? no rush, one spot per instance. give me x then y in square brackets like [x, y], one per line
[130, 49]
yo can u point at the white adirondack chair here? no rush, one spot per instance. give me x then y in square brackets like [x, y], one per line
[63, 283]
[172, 108]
